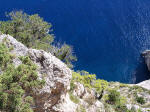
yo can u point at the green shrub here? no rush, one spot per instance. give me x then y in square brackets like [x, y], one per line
[65, 53]
[113, 97]
[123, 85]
[89, 80]
[5, 56]
[86, 80]
[121, 108]
[139, 110]
[116, 100]
[72, 86]
[15, 82]
[82, 109]
[136, 88]
[100, 85]
[140, 100]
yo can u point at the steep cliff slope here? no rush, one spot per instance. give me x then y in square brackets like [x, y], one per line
[56, 95]
[57, 74]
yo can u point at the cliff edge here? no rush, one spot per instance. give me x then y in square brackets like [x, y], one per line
[60, 94]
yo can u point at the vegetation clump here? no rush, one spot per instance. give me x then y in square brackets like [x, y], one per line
[5, 56]
[17, 83]
[89, 80]
[81, 109]
[140, 100]
[114, 98]
[34, 32]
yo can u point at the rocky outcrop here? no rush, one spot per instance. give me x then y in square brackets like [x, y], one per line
[87, 99]
[145, 84]
[131, 92]
[56, 95]
[56, 74]
[146, 55]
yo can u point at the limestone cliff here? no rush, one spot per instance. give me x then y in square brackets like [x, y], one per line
[57, 75]
[55, 96]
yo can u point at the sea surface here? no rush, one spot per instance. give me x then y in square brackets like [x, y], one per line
[108, 36]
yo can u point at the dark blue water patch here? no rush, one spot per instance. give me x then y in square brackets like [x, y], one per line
[108, 35]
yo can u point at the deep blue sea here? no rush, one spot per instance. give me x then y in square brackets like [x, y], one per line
[108, 35]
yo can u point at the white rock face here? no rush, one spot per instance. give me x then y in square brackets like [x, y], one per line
[19, 48]
[57, 77]
[66, 105]
[56, 74]
[79, 90]
[87, 99]
[145, 84]
[96, 107]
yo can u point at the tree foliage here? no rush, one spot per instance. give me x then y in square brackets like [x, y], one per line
[31, 30]
[34, 32]
[65, 53]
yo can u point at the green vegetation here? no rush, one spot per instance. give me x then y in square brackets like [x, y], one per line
[81, 109]
[65, 53]
[74, 98]
[114, 98]
[5, 56]
[31, 30]
[140, 100]
[121, 108]
[123, 85]
[89, 80]
[17, 83]
[34, 32]
[139, 110]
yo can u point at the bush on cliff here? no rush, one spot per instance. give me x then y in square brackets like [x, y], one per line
[88, 80]
[34, 32]
[5, 57]
[17, 83]
[114, 98]
[140, 100]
